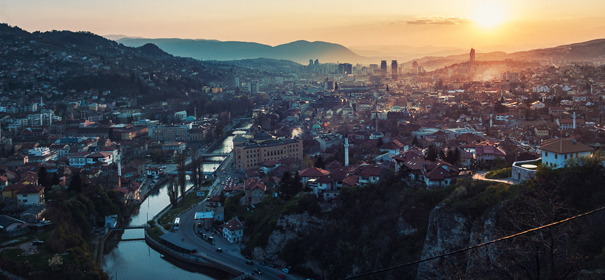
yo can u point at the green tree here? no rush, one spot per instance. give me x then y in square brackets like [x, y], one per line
[75, 184]
[431, 153]
[43, 179]
[319, 163]
[415, 141]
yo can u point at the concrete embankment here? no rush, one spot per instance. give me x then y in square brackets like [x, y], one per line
[194, 259]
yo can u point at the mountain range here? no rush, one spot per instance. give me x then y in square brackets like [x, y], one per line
[298, 51]
[301, 51]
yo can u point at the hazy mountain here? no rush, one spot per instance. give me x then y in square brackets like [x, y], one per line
[404, 53]
[298, 51]
[593, 51]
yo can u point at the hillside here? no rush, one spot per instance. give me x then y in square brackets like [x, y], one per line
[299, 51]
[590, 51]
[396, 222]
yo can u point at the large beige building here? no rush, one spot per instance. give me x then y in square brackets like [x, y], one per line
[265, 147]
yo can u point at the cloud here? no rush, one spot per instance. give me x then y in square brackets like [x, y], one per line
[438, 20]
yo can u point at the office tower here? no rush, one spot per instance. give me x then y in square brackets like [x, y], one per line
[383, 67]
[472, 55]
[415, 67]
[345, 68]
[394, 69]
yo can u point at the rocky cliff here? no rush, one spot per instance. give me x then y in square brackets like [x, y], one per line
[291, 226]
[446, 232]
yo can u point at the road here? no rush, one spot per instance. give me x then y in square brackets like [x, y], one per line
[231, 252]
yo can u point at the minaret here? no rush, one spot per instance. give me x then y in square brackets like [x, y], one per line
[490, 120]
[346, 150]
[195, 112]
[119, 168]
[376, 121]
[41, 102]
[574, 120]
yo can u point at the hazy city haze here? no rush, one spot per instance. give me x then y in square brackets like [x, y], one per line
[486, 25]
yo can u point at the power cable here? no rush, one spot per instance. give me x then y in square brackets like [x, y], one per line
[476, 246]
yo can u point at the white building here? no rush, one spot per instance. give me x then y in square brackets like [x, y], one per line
[555, 153]
[233, 230]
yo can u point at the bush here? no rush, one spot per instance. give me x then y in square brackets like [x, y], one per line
[500, 173]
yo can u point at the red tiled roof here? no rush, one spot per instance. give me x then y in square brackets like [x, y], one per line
[565, 146]
[234, 224]
[313, 172]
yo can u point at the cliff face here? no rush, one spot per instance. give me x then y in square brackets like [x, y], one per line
[449, 232]
[446, 232]
[293, 226]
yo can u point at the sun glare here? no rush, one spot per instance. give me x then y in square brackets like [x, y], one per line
[488, 16]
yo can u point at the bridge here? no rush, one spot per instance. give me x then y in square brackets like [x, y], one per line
[188, 172]
[213, 154]
[125, 228]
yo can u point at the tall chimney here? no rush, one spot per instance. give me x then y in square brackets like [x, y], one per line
[490, 120]
[346, 150]
[574, 120]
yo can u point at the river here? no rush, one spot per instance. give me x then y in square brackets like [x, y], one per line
[135, 260]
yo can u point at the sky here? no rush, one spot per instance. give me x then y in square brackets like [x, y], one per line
[506, 25]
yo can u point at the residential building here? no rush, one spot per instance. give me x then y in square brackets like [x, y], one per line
[233, 230]
[555, 153]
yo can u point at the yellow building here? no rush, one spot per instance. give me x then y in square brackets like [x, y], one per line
[265, 147]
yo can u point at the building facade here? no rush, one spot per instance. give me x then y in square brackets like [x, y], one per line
[264, 147]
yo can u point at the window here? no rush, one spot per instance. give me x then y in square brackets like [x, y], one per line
[545, 154]
[565, 156]
[556, 156]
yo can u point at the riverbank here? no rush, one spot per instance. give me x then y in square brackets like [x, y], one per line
[135, 259]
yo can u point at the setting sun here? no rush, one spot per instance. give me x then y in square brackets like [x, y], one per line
[489, 15]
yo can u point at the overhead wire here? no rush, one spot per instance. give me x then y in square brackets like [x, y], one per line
[476, 246]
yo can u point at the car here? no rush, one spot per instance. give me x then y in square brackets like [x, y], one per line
[271, 265]
[257, 271]
[281, 276]
[263, 263]
[248, 257]
[285, 270]
[37, 242]
[200, 232]
[249, 262]
[219, 250]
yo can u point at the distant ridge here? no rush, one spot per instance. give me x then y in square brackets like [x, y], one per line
[298, 51]
[301, 51]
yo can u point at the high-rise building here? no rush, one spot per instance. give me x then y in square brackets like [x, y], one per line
[310, 62]
[236, 81]
[472, 55]
[316, 61]
[415, 67]
[383, 67]
[345, 68]
[394, 69]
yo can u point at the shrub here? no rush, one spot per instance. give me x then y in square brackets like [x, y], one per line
[500, 173]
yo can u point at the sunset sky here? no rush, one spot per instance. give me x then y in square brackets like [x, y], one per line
[506, 25]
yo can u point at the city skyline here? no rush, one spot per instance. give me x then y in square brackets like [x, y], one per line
[485, 25]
